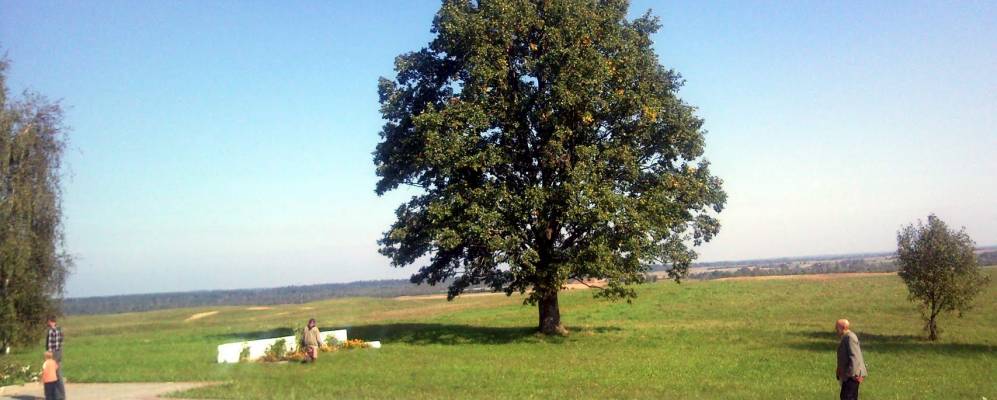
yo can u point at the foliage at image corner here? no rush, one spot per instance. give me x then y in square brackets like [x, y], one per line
[33, 262]
[549, 144]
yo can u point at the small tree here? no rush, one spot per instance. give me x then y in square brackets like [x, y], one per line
[940, 269]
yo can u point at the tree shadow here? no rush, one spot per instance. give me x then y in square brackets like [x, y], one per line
[822, 341]
[430, 333]
[454, 334]
[447, 334]
[254, 335]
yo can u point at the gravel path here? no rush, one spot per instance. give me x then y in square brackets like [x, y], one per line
[102, 391]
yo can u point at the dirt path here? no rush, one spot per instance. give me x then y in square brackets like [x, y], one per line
[198, 316]
[102, 391]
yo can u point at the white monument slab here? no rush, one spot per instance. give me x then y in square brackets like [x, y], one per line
[229, 352]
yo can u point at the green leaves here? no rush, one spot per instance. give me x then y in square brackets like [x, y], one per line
[939, 267]
[33, 266]
[549, 144]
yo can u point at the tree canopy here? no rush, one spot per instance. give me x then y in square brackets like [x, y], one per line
[33, 265]
[940, 268]
[547, 144]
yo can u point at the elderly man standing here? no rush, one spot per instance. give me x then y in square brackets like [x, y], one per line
[851, 367]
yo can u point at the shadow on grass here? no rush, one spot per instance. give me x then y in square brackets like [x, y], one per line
[254, 335]
[429, 333]
[449, 334]
[871, 342]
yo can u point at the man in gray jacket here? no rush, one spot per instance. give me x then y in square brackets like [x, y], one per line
[851, 367]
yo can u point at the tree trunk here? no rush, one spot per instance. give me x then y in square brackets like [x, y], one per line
[550, 315]
[932, 329]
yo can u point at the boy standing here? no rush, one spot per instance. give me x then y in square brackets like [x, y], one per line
[53, 344]
[50, 370]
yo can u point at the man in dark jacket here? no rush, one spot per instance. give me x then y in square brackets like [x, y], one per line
[851, 367]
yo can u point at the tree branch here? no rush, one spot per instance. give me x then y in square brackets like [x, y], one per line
[582, 281]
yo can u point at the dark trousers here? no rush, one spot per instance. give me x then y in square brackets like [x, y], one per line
[57, 355]
[850, 389]
[60, 389]
[52, 391]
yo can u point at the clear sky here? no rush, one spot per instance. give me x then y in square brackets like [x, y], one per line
[227, 144]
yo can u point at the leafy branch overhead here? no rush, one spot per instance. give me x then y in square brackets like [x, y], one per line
[547, 143]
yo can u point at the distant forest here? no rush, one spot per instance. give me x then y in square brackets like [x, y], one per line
[821, 267]
[870, 262]
[262, 296]
[876, 262]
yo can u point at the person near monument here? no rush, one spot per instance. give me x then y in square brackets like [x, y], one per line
[851, 367]
[312, 340]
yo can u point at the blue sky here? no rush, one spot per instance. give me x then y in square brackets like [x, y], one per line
[227, 144]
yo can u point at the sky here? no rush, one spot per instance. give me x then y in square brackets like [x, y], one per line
[227, 144]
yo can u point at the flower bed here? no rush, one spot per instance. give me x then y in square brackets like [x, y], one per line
[277, 352]
[14, 374]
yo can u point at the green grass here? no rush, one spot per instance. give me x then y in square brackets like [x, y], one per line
[758, 339]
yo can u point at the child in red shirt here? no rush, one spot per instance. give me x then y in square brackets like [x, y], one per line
[50, 377]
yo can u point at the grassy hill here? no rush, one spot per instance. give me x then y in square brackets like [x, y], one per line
[747, 339]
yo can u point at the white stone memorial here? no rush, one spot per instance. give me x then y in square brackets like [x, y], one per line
[229, 352]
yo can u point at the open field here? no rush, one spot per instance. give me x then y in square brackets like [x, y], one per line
[746, 339]
[808, 277]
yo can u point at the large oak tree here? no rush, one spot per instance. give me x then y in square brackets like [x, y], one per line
[547, 144]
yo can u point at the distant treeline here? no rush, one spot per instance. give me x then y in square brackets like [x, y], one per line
[987, 258]
[824, 267]
[989, 251]
[265, 296]
[401, 287]
[786, 260]
[776, 262]
[828, 267]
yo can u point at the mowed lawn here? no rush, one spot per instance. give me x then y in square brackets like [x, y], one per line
[747, 339]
